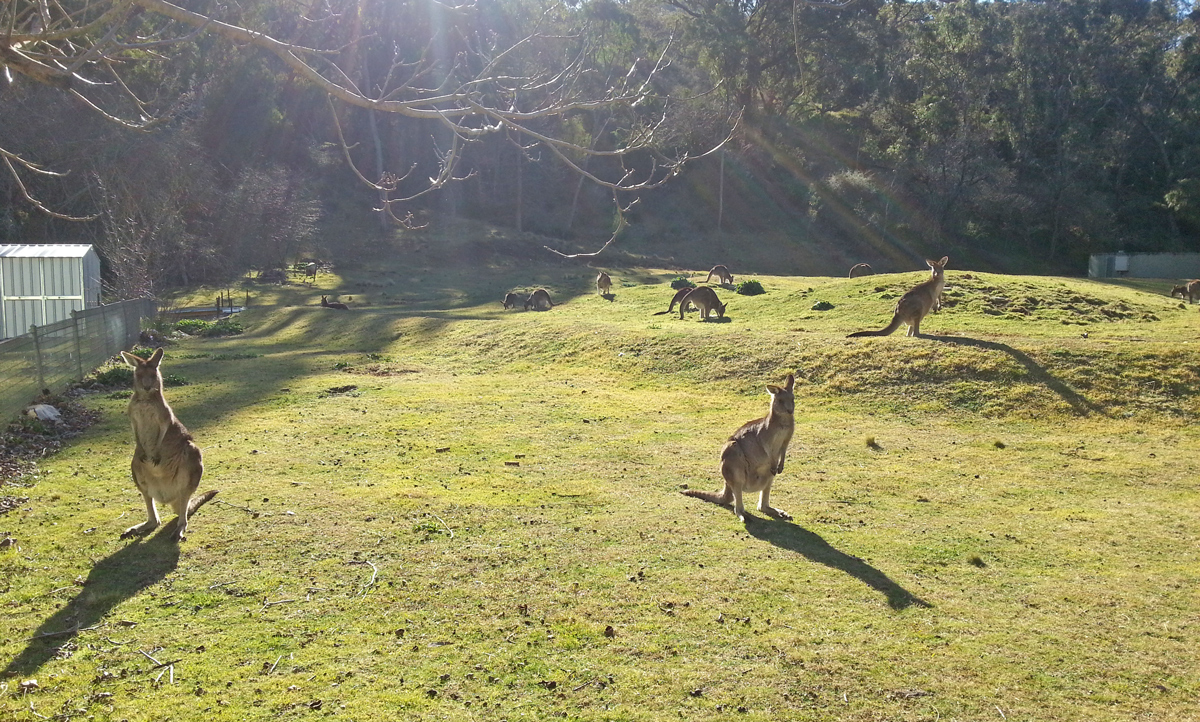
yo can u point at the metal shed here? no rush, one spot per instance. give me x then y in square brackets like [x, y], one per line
[44, 283]
[1144, 265]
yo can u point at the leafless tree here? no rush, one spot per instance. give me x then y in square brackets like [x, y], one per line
[487, 84]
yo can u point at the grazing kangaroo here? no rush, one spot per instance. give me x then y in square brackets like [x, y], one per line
[540, 300]
[916, 303]
[676, 299]
[754, 455]
[705, 300]
[722, 273]
[510, 301]
[310, 272]
[334, 304]
[1191, 289]
[603, 284]
[861, 269]
[166, 463]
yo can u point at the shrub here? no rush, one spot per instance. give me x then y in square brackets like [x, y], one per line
[750, 288]
[225, 327]
[822, 306]
[681, 282]
[192, 326]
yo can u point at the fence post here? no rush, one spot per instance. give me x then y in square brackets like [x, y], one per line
[78, 346]
[37, 350]
[107, 335]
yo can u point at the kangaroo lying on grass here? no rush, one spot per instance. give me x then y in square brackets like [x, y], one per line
[1191, 289]
[540, 300]
[603, 284]
[705, 300]
[916, 303]
[166, 463]
[754, 455]
[722, 273]
[333, 304]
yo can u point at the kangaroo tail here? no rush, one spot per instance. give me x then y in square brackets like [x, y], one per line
[887, 331]
[724, 496]
[662, 313]
[198, 501]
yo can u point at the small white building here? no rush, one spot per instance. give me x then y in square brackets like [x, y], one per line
[1144, 265]
[44, 283]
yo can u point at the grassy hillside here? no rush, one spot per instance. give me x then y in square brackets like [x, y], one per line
[433, 508]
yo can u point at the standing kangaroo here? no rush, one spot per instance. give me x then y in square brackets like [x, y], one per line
[603, 284]
[916, 303]
[166, 463]
[310, 272]
[540, 300]
[722, 273]
[510, 301]
[705, 300]
[754, 455]
[1191, 289]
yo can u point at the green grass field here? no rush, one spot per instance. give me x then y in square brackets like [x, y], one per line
[433, 508]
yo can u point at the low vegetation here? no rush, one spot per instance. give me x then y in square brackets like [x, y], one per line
[434, 508]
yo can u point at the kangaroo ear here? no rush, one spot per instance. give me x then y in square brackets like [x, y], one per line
[155, 357]
[791, 382]
[774, 390]
[132, 360]
[944, 261]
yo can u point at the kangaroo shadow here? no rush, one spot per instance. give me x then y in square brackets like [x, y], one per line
[795, 538]
[1081, 405]
[113, 580]
[610, 297]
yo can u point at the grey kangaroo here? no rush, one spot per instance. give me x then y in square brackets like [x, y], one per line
[166, 463]
[676, 299]
[510, 301]
[705, 300]
[333, 304]
[539, 300]
[722, 273]
[754, 455]
[916, 303]
[603, 284]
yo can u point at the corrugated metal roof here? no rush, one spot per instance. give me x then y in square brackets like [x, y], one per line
[45, 250]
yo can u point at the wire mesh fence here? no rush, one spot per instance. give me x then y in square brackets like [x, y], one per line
[53, 355]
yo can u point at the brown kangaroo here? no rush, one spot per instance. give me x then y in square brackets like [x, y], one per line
[705, 300]
[722, 273]
[861, 269]
[754, 455]
[540, 300]
[510, 301]
[334, 304]
[676, 299]
[1191, 289]
[166, 463]
[603, 284]
[916, 303]
[310, 272]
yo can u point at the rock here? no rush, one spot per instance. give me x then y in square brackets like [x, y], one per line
[44, 412]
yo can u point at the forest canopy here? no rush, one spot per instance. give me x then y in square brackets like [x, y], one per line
[191, 140]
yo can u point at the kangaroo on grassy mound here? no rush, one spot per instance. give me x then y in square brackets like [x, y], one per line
[754, 455]
[722, 273]
[166, 462]
[916, 303]
[334, 304]
[539, 300]
[510, 301]
[603, 284]
[861, 269]
[1191, 289]
[705, 300]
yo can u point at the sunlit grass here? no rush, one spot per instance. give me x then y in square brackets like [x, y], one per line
[998, 519]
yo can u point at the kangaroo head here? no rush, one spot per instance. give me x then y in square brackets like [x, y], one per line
[1178, 289]
[938, 266]
[145, 371]
[782, 399]
[721, 310]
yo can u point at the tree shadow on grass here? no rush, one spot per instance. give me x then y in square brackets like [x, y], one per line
[122, 575]
[1081, 405]
[795, 538]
